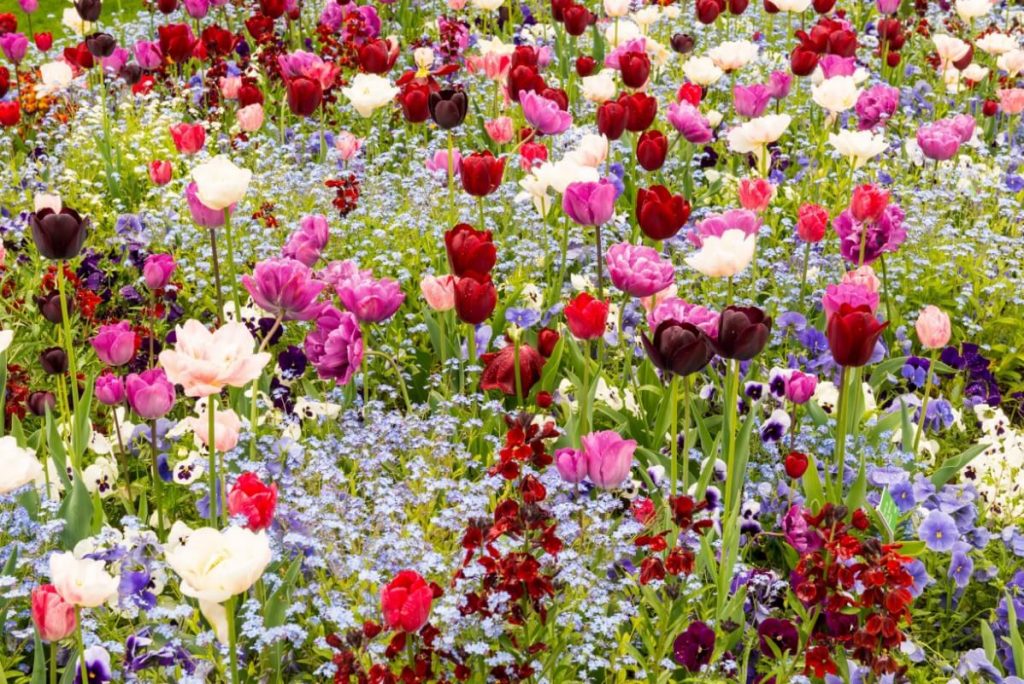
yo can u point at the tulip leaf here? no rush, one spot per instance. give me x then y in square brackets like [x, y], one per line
[1014, 640]
[57, 453]
[811, 481]
[816, 413]
[598, 42]
[549, 373]
[883, 425]
[906, 428]
[954, 464]
[855, 497]
[82, 428]
[76, 510]
[988, 640]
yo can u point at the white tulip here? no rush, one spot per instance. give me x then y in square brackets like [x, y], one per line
[616, 8]
[219, 183]
[972, 9]
[733, 54]
[54, 76]
[18, 466]
[949, 49]
[996, 43]
[369, 92]
[488, 5]
[6, 337]
[215, 565]
[836, 94]
[45, 201]
[599, 87]
[753, 135]
[592, 150]
[1011, 62]
[858, 146]
[702, 70]
[725, 256]
[81, 581]
[795, 6]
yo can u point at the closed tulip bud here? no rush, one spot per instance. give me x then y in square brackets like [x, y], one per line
[641, 109]
[586, 317]
[89, 10]
[679, 348]
[481, 173]
[571, 465]
[933, 327]
[796, 464]
[611, 120]
[475, 298]
[585, 65]
[576, 19]
[150, 393]
[53, 617]
[41, 402]
[868, 202]
[58, 235]
[738, 7]
[188, 138]
[405, 602]
[635, 67]
[708, 11]
[651, 150]
[742, 332]
[49, 306]
[802, 61]
[448, 107]
[10, 113]
[304, 95]
[499, 369]
[852, 333]
[100, 45]
[54, 361]
[546, 341]
[660, 213]
[812, 221]
[682, 43]
[376, 56]
[160, 172]
[470, 250]
[44, 41]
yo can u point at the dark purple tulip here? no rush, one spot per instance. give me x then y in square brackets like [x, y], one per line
[680, 348]
[49, 306]
[58, 236]
[39, 402]
[54, 361]
[100, 45]
[448, 107]
[742, 332]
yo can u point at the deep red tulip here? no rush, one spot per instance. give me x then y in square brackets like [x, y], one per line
[44, 41]
[166, 6]
[586, 317]
[708, 11]
[660, 213]
[823, 6]
[546, 341]
[738, 7]
[635, 66]
[499, 369]
[576, 19]
[10, 113]
[304, 95]
[852, 334]
[585, 65]
[802, 61]
[260, 27]
[690, 92]
[78, 55]
[272, 8]
[990, 108]
[249, 94]
[844, 43]
[405, 602]
[558, 96]
[414, 99]
[378, 56]
[679, 348]
[218, 41]
[651, 149]
[470, 250]
[531, 154]
[481, 173]
[188, 138]
[796, 464]
[524, 55]
[965, 61]
[524, 77]
[558, 8]
[254, 500]
[641, 109]
[176, 42]
[475, 298]
[611, 119]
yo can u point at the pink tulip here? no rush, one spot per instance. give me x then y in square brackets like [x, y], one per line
[800, 387]
[370, 299]
[150, 394]
[285, 288]
[229, 87]
[115, 344]
[53, 616]
[307, 243]
[609, 458]
[638, 271]
[933, 327]
[863, 276]
[848, 293]
[544, 114]
[1011, 101]
[347, 145]
[438, 292]
[250, 117]
[500, 129]
[160, 172]
[226, 429]
[188, 138]
[756, 194]
[571, 465]
[439, 162]
[205, 362]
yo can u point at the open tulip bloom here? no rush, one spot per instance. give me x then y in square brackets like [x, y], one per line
[460, 341]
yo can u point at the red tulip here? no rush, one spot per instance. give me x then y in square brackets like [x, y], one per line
[176, 42]
[160, 172]
[852, 334]
[10, 113]
[532, 154]
[868, 202]
[586, 317]
[524, 77]
[802, 61]
[651, 149]
[641, 109]
[53, 616]
[546, 341]
[635, 66]
[690, 92]
[254, 500]
[44, 41]
[823, 6]
[218, 41]
[304, 95]
[811, 223]
[611, 119]
[481, 173]
[738, 7]
[249, 94]
[414, 99]
[499, 369]
[469, 250]
[378, 56]
[475, 298]
[708, 11]
[188, 138]
[796, 464]
[272, 8]
[585, 65]
[660, 213]
[405, 602]
[576, 19]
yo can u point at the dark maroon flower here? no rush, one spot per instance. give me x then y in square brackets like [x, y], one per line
[679, 348]
[58, 235]
[780, 632]
[448, 107]
[694, 647]
[742, 332]
[499, 369]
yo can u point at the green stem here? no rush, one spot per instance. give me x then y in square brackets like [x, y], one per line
[254, 388]
[211, 450]
[673, 385]
[80, 637]
[68, 339]
[686, 433]
[924, 401]
[232, 639]
[53, 662]
[731, 412]
[231, 266]
[157, 482]
[585, 390]
[600, 269]
[515, 366]
[398, 374]
[216, 277]
[840, 452]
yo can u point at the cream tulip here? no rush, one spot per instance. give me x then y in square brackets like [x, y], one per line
[18, 466]
[82, 582]
[723, 256]
[369, 92]
[219, 183]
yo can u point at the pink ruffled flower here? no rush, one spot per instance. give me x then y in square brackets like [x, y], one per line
[681, 311]
[717, 224]
[284, 288]
[205, 362]
[638, 271]
[863, 276]
[689, 122]
[307, 243]
[335, 346]
[848, 293]
[544, 114]
[439, 162]
[370, 299]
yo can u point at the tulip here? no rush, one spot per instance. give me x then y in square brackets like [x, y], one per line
[54, 361]
[43, 40]
[10, 113]
[205, 362]
[755, 194]
[933, 327]
[53, 617]
[226, 429]
[475, 298]
[571, 465]
[219, 183]
[438, 292]
[481, 173]
[638, 271]
[641, 109]
[852, 333]
[938, 141]
[405, 602]
[377, 56]
[576, 19]
[544, 114]
[371, 300]
[611, 120]
[149, 393]
[115, 345]
[188, 138]
[18, 466]
[609, 458]
[203, 215]
[651, 150]
[304, 95]
[448, 107]
[689, 122]
[157, 270]
[250, 117]
[100, 45]
[81, 582]
[253, 500]
[469, 250]
[499, 130]
[499, 369]
[41, 402]
[160, 172]
[335, 347]
[589, 203]
[347, 145]
[742, 332]
[868, 202]
[812, 221]
[58, 235]
[660, 213]
[800, 387]
[750, 101]
[679, 348]
[796, 464]
[723, 256]
[635, 67]
[14, 45]
[109, 389]
[369, 92]
[586, 317]
[284, 288]
[49, 307]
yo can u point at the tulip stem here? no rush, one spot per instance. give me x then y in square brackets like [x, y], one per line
[924, 401]
[216, 277]
[673, 385]
[451, 175]
[68, 339]
[733, 490]
[80, 638]
[211, 450]
[232, 639]
[53, 662]
[803, 274]
[584, 390]
[686, 433]
[157, 482]
[840, 454]
[600, 271]
[231, 266]
[255, 387]
[564, 250]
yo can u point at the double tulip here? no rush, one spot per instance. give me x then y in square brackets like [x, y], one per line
[405, 602]
[586, 316]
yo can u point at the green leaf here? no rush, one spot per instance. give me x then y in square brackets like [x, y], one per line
[38, 660]
[76, 510]
[1014, 639]
[988, 640]
[811, 481]
[57, 453]
[887, 423]
[954, 464]
[906, 429]
[912, 548]
[855, 498]
[81, 427]
[549, 374]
